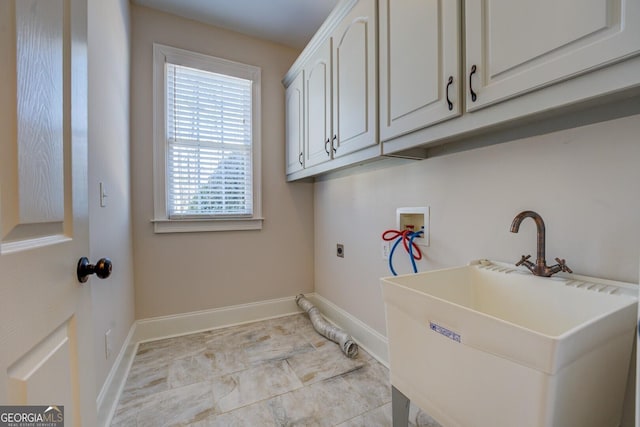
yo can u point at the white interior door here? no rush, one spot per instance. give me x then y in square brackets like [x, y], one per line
[45, 331]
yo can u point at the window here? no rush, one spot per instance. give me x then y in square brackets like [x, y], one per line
[206, 143]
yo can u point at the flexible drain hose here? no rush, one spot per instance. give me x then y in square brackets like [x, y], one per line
[337, 335]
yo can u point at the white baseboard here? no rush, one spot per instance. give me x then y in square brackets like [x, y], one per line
[188, 323]
[368, 338]
[109, 395]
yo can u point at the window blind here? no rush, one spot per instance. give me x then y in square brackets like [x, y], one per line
[209, 144]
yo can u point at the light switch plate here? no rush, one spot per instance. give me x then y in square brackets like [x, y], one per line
[103, 195]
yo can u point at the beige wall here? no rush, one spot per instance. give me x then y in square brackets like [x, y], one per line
[110, 227]
[178, 273]
[583, 181]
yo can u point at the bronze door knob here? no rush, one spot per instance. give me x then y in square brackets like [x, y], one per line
[102, 269]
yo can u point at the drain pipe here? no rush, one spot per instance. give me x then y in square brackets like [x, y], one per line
[337, 335]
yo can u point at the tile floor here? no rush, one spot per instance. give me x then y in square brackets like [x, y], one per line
[278, 372]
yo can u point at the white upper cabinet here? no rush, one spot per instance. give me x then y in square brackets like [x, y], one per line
[355, 80]
[339, 90]
[397, 77]
[317, 77]
[516, 46]
[419, 64]
[294, 105]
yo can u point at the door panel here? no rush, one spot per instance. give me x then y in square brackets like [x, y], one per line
[45, 321]
[514, 32]
[33, 198]
[419, 52]
[39, 44]
[38, 374]
[519, 46]
[295, 124]
[355, 80]
[407, 26]
[351, 81]
[318, 106]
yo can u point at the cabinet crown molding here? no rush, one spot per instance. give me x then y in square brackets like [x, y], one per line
[332, 21]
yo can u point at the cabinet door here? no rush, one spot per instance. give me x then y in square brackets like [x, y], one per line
[520, 45]
[317, 75]
[419, 64]
[355, 80]
[294, 107]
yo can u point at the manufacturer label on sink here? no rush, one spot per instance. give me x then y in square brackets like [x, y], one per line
[444, 331]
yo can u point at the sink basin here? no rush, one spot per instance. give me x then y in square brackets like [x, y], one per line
[492, 345]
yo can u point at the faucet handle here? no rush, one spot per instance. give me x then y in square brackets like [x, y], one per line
[523, 260]
[563, 266]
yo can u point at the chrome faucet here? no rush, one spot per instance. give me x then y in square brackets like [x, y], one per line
[540, 268]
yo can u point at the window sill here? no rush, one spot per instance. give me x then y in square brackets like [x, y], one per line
[203, 225]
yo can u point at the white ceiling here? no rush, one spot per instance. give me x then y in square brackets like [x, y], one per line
[289, 22]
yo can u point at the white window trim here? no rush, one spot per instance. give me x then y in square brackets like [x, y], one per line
[161, 221]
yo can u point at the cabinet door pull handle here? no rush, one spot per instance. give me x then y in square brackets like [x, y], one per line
[326, 143]
[449, 83]
[300, 159]
[473, 94]
[333, 145]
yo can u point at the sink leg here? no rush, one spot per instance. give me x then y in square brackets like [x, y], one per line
[399, 408]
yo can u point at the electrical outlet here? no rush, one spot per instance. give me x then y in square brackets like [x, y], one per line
[386, 249]
[108, 348]
[340, 250]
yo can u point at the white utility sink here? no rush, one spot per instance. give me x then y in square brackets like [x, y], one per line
[492, 345]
